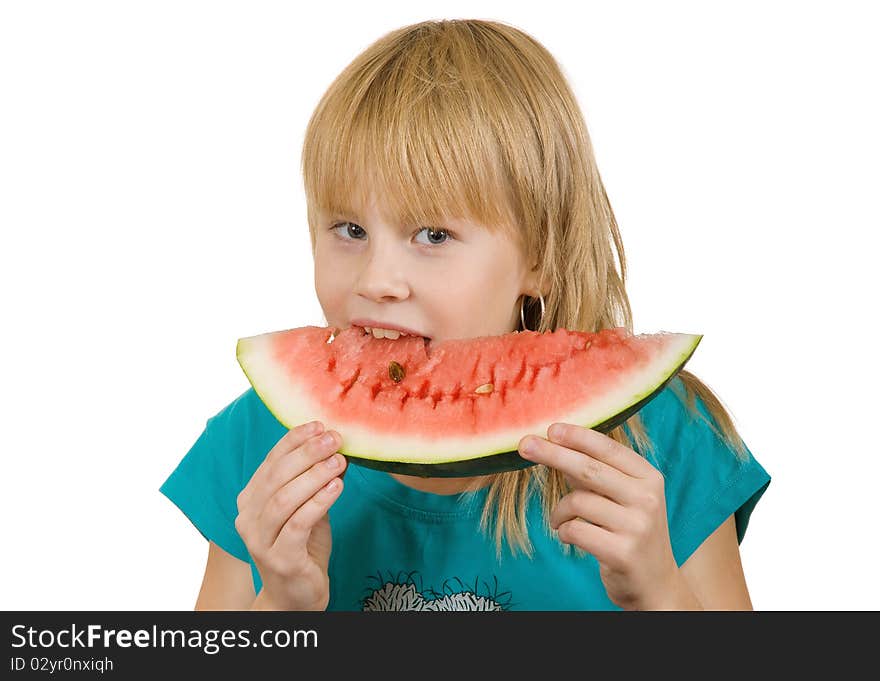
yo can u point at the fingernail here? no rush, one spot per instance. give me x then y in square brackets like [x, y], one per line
[333, 461]
[332, 485]
[527, 448]
[327, 439]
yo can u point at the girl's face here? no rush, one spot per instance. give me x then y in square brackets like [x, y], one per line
[442, 281]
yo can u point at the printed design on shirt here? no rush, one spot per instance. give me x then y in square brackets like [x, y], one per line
[405, 591]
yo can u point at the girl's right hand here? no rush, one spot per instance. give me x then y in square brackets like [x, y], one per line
[282, 517]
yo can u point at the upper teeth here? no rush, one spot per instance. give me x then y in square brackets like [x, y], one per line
[385, 333]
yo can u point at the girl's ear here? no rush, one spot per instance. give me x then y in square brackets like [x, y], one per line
[531, 285]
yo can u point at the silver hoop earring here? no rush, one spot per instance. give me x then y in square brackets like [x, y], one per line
[522, 316]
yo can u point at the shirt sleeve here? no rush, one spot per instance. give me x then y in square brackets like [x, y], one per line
[206, 483]
[706, 481]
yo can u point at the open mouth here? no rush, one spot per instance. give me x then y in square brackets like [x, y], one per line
[389, 333]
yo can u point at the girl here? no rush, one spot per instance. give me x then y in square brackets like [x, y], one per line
[452, 192]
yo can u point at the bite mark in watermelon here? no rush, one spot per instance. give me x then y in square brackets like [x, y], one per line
[456, 407]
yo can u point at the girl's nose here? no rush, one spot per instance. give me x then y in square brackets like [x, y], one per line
[383, 278]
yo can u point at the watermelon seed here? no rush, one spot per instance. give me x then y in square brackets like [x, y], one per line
[485, 388]
[396, 372]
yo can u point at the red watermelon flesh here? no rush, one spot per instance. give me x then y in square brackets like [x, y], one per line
[460, 407]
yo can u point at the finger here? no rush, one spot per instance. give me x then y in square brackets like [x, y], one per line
[582, 470]
[295, 533]
[600, 447]
[593, 539]
[287, 500]
[292, 439]
[291, 465]
[589, 506]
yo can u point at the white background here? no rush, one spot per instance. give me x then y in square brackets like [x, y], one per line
[152, 213]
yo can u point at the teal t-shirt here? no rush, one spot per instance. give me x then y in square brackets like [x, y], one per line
[397, 548]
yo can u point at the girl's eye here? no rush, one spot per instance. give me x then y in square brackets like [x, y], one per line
[356, 232]
[434, 233]
[353, 228]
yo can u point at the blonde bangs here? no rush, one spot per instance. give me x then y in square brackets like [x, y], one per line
[411, 126]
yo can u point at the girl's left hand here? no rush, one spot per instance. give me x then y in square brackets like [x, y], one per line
[616, 511]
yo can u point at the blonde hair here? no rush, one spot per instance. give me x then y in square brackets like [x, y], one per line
[475, 118]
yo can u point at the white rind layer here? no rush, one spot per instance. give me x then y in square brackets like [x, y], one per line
[289, 402]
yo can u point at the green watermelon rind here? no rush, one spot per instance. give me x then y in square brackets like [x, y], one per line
[484, 461]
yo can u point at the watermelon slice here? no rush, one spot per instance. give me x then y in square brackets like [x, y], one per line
[456, 407]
